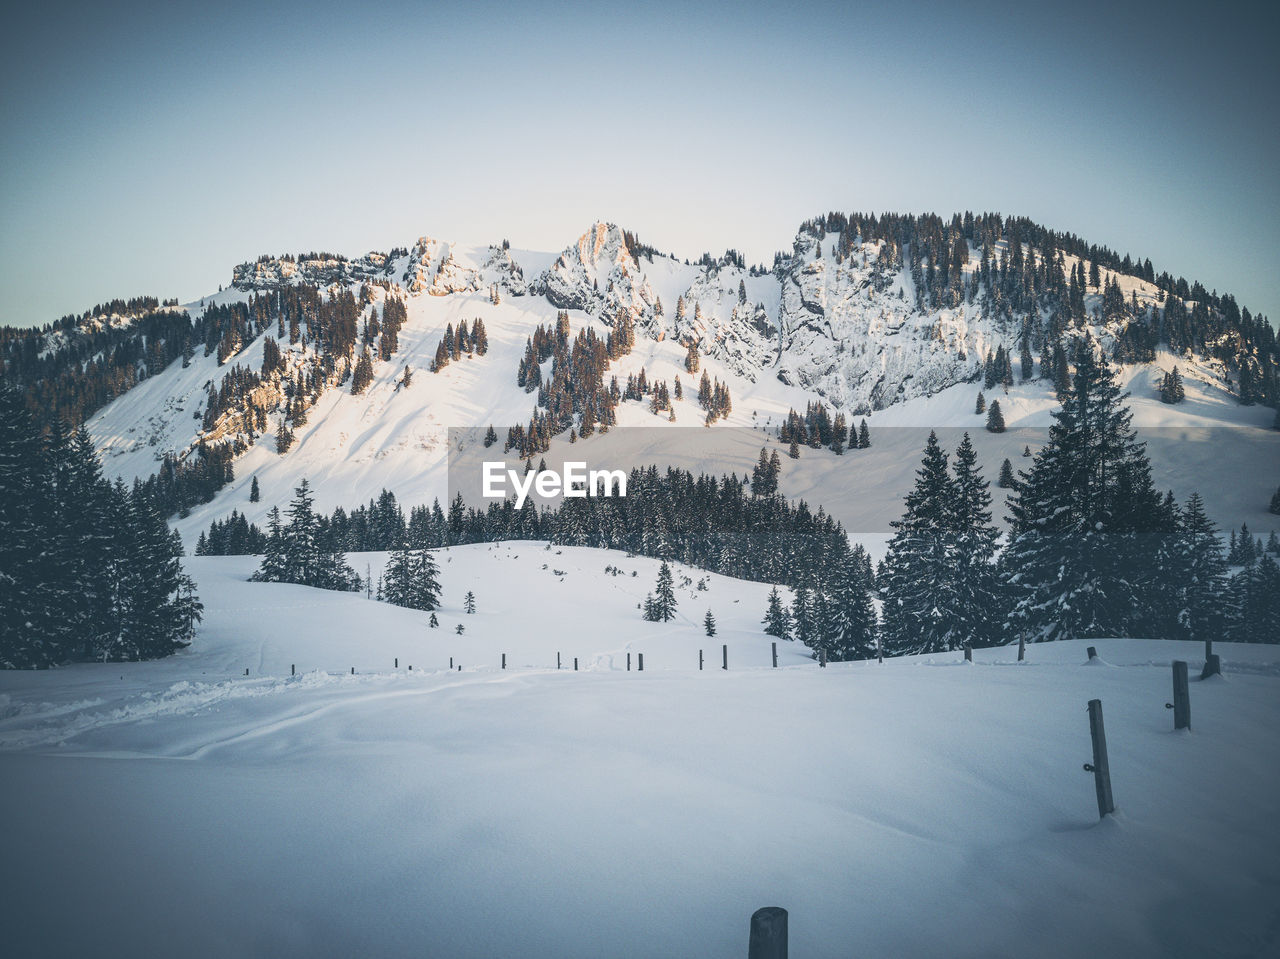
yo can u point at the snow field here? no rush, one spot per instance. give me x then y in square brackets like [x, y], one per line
[922, 807]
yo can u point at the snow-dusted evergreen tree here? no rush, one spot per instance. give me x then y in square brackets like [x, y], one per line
[973, 586]
[1199, 573]
[709, 623]
[850, 625]
[802, 623]
[304, 557]
[272, 568]
[914, 574]
[87, 570]
[664, 600]
[1007, 479]
[469, 602]
[1253, 603]
[776, 620]
[28, 581]
[412, 579]
[254, 493]
[1080, 560]
[995, 418]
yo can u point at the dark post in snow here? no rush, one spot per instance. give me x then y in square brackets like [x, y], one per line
[451, 662]
[699, 659]
[1093, 653]
[246, 672]
[293, 669]
[1212, 666]
[640, 664]
[504, 660]
[725, 652]
[557, 659]
[1181, 704]
[1022, 647]
[1099, 767]
[968, 653]
[397, 662]
[879, 650]
[822, 657]
[353, 670]
[775, 655]
[628, 662]
[575, 664]
[768, 934]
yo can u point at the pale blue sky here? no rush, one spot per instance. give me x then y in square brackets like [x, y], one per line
[148, 150]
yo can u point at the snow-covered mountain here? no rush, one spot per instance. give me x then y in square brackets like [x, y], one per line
[834, 320]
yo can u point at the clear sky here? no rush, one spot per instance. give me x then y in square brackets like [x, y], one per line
[148, 149]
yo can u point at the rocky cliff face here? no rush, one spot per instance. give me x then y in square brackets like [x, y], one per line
[852, 330]
[600, 276]
[847, 327]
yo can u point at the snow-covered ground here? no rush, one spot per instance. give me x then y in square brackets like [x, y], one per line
[923, 807]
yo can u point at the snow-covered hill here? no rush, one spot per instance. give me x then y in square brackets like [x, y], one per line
[919, 807]
[844, 329]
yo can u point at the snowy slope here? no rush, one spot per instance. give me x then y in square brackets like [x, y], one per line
[922, 807]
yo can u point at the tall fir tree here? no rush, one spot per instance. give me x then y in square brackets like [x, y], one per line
[1081, 555]
[913, 575]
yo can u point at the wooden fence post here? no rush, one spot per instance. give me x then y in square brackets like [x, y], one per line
[1212, 666]
[724, 650]
[293, 669]
[628, 662]
[968, 653]
[504, 660]
[557, 659]
[1181, 704]
[246, 672]
[775, 654]
[822, 657]
[768, 934]
[451, 662]
[353, 670]
[699, 659]
[1099, 767]
[575, 664]
[397, 662]
[640, 657]
[1022, 647]
[1093, 653]
[879, 650]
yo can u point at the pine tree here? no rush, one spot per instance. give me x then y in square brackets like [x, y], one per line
[1006, 480]
[709, 623]
[995, 419]
[849, 624]
[973, 587]
[1080, 561]
[914, 573]
[665, 595]
[469, 602]
[981, 406]
[802, 620]
[864, 436]
[1275, 501]
[432, 623]
[776, 621]
[1199, 573]
[254, 494]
